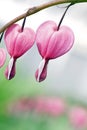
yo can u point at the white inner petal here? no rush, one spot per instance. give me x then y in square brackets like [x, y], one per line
[10, 65]
[40, 69]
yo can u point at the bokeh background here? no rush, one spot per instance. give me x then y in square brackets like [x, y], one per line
[67, 75]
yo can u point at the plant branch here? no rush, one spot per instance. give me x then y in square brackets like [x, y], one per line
[36, 9]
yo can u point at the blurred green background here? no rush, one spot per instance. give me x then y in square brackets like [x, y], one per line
[21, 87]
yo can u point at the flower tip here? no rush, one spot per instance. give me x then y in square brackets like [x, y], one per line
[9, 77]
[41, 72]
[39, 78]
[10, 70]
[36, 76]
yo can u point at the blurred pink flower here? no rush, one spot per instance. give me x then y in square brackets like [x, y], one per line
[21, 105]
[78, 117]
[2, 57]
[17, 43]
[46, 105]
[51, 106]
[51, 43]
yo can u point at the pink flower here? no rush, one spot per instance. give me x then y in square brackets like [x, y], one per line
[47, 105]
[2, 57]
[78, 117]
[17, 43]
[52, 43]
[51, 106]
[21, 106]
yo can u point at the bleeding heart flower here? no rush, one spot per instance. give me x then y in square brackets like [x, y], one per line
[78, 117]
[2, 57]
[52, 43]
[17, 43]
[49, 105]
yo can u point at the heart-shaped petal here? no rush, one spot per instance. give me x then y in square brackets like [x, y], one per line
[60, 42]
[2, 57]
[51, 42]
[17, 41]
[43, 35]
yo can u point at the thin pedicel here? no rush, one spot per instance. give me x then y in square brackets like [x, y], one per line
[64, 15]
[24, 20]
[1, 36]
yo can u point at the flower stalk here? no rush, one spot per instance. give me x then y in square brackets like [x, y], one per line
[64, 15]
[36, 9]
